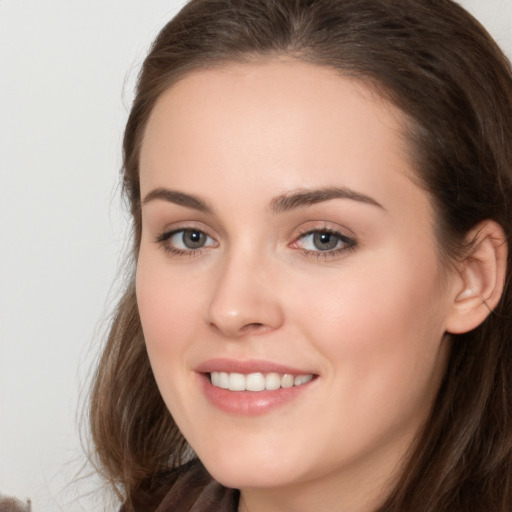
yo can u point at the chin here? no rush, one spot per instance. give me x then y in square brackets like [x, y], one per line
[253, 478]
[244, 473]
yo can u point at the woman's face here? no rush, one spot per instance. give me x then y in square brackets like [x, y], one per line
[284, 243]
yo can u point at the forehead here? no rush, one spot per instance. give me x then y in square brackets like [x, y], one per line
[281, 117]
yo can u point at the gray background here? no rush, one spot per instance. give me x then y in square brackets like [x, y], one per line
[67, 69]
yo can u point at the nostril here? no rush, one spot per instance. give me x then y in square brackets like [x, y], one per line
[243, 330]
[254, 326]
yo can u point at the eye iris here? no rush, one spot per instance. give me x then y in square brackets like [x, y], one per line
[324, 241]
[193, 239]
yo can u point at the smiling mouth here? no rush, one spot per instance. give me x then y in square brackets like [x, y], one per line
[257, 381]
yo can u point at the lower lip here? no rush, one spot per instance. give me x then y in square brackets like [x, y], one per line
[250, 403]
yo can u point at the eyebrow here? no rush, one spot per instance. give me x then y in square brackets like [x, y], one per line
[179, 198]
[307, 197]
[285, 202]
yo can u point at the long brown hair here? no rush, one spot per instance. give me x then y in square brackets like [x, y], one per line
[442, 69]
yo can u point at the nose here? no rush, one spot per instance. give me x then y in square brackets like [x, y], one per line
[244, 299]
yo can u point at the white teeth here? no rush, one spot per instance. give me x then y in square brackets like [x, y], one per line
[223, 380]
[215, 379]
[236, 382]
[257, 381]
[302, 379]
[272, 381]
[287, 381]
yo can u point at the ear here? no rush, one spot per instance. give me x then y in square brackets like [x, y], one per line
[480, 278]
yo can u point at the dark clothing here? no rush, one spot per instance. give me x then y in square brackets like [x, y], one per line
[188, 488]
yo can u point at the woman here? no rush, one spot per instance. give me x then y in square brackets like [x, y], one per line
[319, 315]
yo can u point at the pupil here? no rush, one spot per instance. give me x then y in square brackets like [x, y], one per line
[325, 241]
[193, 239]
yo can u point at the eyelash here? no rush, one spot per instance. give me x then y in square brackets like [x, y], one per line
[163, 241]
[348, 244]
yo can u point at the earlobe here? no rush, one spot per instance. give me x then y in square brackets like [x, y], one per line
[481, 278]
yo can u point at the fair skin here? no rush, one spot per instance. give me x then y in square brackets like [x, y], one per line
[344, 287]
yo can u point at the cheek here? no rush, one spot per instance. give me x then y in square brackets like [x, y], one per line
[377, 297]
[382, 333]
[167, 308]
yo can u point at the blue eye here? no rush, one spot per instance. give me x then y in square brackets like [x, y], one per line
[325, 241]
[189, 239]
[185, 241]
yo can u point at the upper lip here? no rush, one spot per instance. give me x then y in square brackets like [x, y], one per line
[247, 367]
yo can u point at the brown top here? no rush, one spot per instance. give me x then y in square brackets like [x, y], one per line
[189, 488]
[196, 491]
